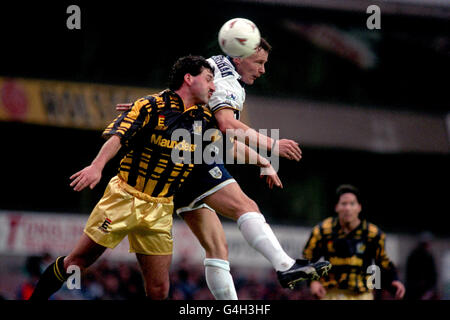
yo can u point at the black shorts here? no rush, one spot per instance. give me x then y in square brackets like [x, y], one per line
[204, 180]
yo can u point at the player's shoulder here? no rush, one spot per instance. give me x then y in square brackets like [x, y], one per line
[165, 99]
[200, 111]
[223, 68]
[221, 62]
[326, 226]
[151, 98]
[143, 100]
[373, 230]
[144, 103]
[206, 111]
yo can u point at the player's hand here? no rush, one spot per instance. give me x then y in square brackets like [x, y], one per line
[317, 289]
[272, 178]
[288, 149]
[121, 107]
[399, 289]
[89, 176]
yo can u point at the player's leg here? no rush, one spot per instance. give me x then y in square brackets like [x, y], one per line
[206, 226]
[232, 202]
[151, 240]
[213, 185]
[83, 255]
[155, 271]
[106, 227]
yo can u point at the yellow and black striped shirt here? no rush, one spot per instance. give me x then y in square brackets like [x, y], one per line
[350, 254]
[146, 131]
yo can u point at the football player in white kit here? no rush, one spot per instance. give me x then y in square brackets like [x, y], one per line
[212, 189]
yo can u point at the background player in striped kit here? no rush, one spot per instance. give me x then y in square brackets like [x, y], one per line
[352, 245]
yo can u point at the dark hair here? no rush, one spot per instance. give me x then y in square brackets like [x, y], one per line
[263, 44]
[184, 65]
[347, 188]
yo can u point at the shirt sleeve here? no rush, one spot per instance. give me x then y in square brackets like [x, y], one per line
[226, 95]
[312, 250]
[389, 271]
[217, 140]
[128, 123]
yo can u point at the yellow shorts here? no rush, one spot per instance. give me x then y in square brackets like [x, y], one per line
[124, 211]
[342, 294]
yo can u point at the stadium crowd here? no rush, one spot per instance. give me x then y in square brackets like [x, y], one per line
[114, 280]
[117, 280]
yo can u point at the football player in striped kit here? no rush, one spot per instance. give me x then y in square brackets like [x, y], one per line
[211, 188]
[356, 248]
[138, 201]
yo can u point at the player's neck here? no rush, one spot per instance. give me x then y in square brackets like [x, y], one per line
[186, 97]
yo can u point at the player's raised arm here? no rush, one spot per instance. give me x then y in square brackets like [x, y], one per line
[247, 155]
[91, 175]
[121, 107]
[284, 147]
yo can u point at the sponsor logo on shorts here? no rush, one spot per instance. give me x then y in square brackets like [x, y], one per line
[105, 225]
[215, 173]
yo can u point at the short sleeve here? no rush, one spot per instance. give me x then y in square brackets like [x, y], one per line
[228, 94]
[128, 123]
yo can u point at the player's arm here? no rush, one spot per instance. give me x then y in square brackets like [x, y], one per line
[92, 174]
[121, 107]
[118, 132]
[313, 247]
[312, 251]
[387, 267]
[227, 122]
[247, 155]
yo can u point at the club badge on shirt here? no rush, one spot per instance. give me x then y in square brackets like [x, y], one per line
[216, 173]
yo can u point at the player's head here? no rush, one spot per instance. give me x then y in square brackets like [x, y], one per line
[195, 75]
[348, 205]
[253, 67]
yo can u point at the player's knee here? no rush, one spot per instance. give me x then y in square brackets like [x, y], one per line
[245, 204]
[248, 205]
[158, 290]
[253, 207]
[78, 261]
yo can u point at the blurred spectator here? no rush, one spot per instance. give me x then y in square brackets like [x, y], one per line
[110, 280]
[186, 284]
[92, 289]
[34, 265]
[421, 274]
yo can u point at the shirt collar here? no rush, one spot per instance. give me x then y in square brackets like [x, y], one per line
[175, 95]
[337, 227]
[238, 75]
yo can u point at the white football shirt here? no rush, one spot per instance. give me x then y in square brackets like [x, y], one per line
[229, 92]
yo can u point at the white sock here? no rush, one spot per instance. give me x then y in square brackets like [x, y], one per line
[219, 279]
[260, 236]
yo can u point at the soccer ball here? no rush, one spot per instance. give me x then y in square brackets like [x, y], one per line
[239, 38]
